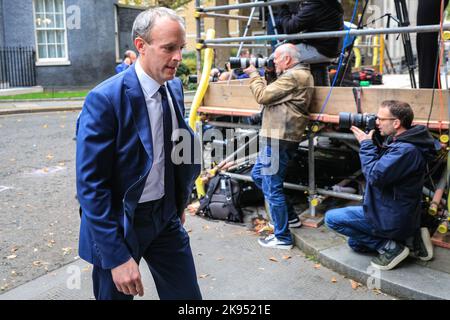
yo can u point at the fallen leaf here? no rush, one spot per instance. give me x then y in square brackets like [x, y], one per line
[205, 227]
[14, 249]
[50, 157]
[45, 126]
[355, 284]
[203, 276]
[37, 263]
[286, 257]
[45, 169]
[193, 207]
[333, 280]
[13, 256]
[62, 126]
[273, 259]
[377, 291]
[220, 259]
[14, 273]
[62, 164]
[317, 266]
[66, 251]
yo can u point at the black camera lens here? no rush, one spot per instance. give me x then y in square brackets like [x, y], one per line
[345, 120]
[363, 121]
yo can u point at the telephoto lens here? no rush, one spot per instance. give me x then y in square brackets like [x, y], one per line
[244, 63]
[364, 121]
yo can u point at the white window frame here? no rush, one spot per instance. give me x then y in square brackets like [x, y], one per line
[51, 61]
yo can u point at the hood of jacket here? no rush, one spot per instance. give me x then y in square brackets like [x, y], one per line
[420, 137]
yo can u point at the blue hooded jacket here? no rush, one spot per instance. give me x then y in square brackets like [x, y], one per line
[394, 181]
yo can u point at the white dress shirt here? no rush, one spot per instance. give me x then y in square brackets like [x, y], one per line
[154, 186]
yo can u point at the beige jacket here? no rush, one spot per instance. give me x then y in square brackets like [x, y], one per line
[286, 103]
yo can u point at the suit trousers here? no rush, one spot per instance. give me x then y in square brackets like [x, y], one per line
[164, 245]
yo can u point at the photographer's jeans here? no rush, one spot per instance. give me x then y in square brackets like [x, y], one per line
[310, 54]
[350, 221]
[271, 183]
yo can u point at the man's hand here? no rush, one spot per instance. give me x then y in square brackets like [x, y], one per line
[250, 69]
[183, 218]
[361, 135]
[127, 278]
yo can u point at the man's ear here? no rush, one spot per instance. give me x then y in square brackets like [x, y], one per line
[139, 44]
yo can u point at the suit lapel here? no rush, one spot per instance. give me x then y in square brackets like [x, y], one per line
[181, 122]
[139, 109]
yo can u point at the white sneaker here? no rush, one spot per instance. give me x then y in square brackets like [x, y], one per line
[272, 242]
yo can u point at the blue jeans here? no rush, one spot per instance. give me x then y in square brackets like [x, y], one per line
[268, 174]
[309, 54]
[350, 221]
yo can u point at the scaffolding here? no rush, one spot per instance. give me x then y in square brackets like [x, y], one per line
[315, 195]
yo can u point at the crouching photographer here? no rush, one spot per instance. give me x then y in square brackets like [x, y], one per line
[285, 115]
[388, 222]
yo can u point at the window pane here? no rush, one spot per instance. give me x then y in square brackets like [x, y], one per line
[59, 22]
[52, 51]
[49, 6]
[61, 53]
[39, 6]
[60, 37]
[42, 49]
[51, 37]
[59, 6]
[41, 37]
[50, 21]
[40, 21]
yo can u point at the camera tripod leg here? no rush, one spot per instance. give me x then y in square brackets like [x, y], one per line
[403, 19]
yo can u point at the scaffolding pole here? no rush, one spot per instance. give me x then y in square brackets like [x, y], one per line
[333, 34]
[199, 39]
[232, 45]
[226, 16]
[243, 5]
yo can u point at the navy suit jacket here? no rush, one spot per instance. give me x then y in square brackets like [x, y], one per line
[114, 158]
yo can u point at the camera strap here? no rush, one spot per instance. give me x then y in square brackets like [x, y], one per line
[357, 91]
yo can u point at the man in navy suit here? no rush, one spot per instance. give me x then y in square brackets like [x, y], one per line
[132, 189]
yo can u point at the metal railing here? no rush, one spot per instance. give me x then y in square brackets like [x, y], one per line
[17, 67]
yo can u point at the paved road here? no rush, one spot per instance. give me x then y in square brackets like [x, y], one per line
[39, 231]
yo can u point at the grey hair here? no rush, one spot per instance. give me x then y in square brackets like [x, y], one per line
[291, 51]
[145, 21]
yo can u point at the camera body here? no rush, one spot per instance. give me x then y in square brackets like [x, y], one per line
[366, 121]
[244, 63]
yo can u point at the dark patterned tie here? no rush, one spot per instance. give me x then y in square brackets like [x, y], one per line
[169, 183]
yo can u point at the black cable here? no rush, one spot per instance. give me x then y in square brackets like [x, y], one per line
[435, 76]
[434, 87]
[350, 55]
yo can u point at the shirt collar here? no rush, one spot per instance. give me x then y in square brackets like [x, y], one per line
[148, 84]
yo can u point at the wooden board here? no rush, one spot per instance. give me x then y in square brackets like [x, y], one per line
[441, 240]
[239, 97]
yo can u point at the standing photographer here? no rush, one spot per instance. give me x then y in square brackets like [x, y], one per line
[388, 222]
[314, 16]
[286, 102]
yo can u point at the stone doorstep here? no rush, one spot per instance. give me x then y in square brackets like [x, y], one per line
[408, 281]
